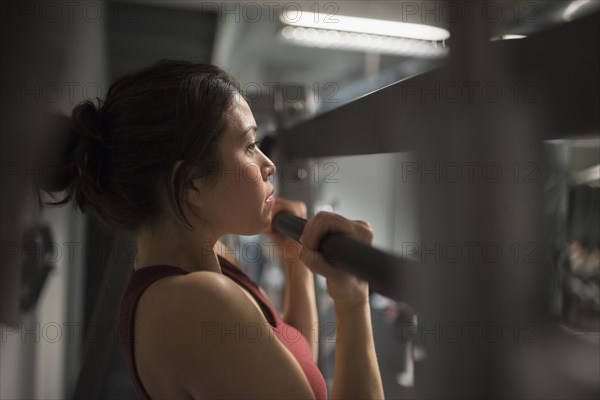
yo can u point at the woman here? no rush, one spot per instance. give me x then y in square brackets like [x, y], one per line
[171, 156]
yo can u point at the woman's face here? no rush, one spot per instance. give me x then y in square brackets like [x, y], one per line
[237, 202]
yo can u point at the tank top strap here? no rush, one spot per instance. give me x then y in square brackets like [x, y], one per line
[244, 280]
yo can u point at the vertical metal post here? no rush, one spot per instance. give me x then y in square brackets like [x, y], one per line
[478, 215]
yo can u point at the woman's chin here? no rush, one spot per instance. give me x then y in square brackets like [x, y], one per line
[258, 228]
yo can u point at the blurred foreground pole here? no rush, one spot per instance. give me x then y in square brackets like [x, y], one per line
[28, 55]
[480, 212]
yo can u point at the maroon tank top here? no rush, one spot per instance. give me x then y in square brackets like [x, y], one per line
[291, 338]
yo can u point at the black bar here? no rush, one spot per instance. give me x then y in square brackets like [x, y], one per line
[381, 270]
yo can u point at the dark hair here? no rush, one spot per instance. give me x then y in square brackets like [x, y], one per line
[112, 157]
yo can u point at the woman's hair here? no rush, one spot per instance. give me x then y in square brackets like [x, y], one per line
[112, 158]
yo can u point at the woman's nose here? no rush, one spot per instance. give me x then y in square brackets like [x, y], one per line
[269, 168]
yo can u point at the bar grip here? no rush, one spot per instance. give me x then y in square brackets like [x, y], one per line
[290, 225]
[380, 269]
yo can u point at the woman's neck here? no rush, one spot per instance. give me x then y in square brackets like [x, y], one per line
[177, 246]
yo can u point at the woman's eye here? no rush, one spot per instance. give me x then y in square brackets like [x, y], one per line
[253, 145]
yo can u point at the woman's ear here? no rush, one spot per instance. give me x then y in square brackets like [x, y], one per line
[192, 191]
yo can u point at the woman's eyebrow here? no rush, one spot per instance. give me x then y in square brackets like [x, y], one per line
[245, 132]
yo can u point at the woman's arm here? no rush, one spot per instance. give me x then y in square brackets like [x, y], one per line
[356, 373]
[300, 305]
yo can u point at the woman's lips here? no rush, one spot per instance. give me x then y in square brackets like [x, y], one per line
[271, 197]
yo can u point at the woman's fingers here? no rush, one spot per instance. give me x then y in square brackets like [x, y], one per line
[343, 287]
[364, 232]
[363, 223]
[316, 262]
[325, 222]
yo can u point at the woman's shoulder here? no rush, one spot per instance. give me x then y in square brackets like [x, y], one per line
[194, 297]
[200, 325]
[175, 318]
[173, 310]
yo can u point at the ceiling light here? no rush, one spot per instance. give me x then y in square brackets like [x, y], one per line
[322, 38]
[364, 25]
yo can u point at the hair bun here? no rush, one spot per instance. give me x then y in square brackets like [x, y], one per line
[75, 148]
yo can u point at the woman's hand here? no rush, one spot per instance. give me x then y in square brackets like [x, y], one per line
[345, 289]
[287, 248]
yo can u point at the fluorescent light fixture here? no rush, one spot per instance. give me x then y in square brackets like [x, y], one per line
[363, 34]
[364, 25]
[330, 39]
